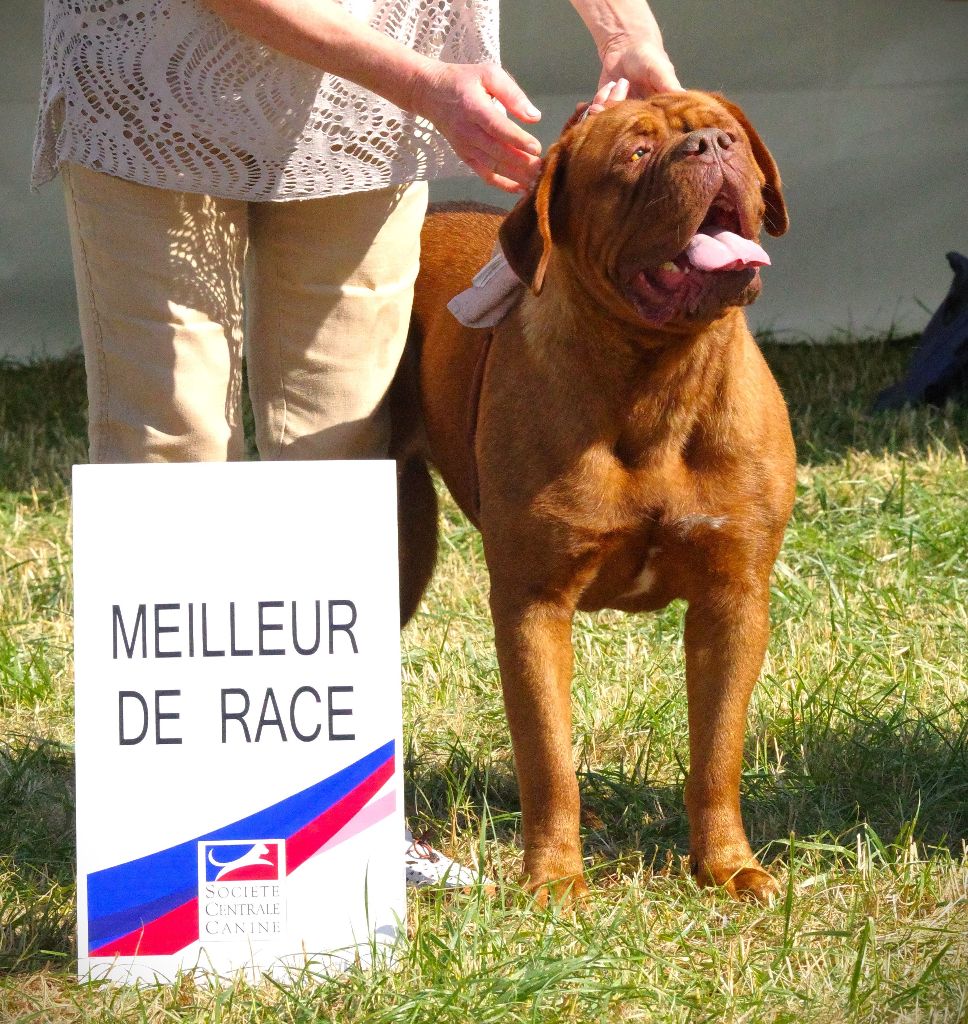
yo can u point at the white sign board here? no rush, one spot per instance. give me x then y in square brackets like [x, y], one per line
[239, 795]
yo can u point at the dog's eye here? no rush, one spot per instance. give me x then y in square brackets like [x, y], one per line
[640, 152]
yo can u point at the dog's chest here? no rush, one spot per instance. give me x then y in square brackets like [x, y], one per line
[667, 533]
[664, 559]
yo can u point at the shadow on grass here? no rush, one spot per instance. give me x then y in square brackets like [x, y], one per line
[43, 423]
[37, 860]
[829, 390]
[900, 778]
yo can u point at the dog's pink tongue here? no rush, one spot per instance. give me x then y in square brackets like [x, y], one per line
[719, 249]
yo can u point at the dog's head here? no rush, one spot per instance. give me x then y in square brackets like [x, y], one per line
[655, 206]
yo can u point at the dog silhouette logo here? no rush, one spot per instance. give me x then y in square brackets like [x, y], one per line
[242, 861]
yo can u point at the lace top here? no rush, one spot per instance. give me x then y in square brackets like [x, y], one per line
[165, 93]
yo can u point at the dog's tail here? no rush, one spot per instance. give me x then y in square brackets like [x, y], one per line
[416, 497]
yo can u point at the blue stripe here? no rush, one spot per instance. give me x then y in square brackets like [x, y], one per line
[126, 896]
[113, 926]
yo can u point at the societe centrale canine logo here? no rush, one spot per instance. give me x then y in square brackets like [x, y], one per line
[241, 889]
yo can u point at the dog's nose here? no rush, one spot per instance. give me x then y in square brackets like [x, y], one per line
[706, 144]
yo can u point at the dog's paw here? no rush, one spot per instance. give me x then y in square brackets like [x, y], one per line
[743, 881]
[563, 892]
[754, 884]
[555, 877]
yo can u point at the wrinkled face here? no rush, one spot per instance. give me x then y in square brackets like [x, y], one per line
[657, 205]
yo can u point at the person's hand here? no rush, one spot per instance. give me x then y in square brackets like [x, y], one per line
[643, 62]
[467, 104]
[608, 95]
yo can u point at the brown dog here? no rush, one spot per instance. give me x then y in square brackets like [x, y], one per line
[619, 441]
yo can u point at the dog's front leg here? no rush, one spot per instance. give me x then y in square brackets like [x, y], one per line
[535, 655]
[725, 641]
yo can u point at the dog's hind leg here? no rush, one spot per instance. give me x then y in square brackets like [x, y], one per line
[416, 497]
[416, 531]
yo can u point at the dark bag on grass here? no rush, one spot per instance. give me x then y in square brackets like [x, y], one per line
[939, 366]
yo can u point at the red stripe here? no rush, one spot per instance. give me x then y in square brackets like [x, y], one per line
[301, 845]
[166, 934]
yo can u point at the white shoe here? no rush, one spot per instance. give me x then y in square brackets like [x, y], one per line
[427, 866]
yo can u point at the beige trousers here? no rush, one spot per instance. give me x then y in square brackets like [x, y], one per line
[167, 280]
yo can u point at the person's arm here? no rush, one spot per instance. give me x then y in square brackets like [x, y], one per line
[629, 44]
[458, 99]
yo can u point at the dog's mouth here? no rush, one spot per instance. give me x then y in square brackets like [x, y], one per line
[718, 261]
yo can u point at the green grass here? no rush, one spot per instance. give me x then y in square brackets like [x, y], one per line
[855, 782]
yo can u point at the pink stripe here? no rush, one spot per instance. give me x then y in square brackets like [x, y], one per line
[301, 845]
[370, 815]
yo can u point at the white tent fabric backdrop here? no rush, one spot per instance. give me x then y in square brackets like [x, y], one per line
[865, 106]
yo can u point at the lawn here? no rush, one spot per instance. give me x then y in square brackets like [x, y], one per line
[855, 781]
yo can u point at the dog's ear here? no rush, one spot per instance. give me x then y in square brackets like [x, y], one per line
[525, 235]
[776, 220]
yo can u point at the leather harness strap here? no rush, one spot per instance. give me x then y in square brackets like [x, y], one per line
[473, 416]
